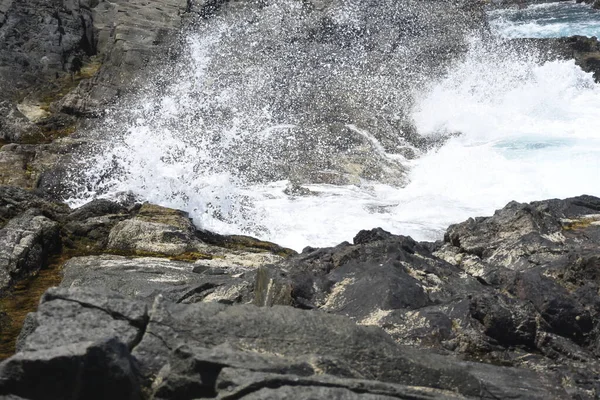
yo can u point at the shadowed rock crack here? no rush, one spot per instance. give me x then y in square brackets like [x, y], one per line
[140, 325]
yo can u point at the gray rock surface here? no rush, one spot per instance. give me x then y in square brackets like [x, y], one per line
[84, 315]
[145, 278]
[26, 242]
[82, 370]
[505, 307]
[278, 344]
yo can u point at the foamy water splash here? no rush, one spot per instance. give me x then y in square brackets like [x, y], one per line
[558, 19]
[525, 131]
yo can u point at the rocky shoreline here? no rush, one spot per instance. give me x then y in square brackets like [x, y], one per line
[136, 302]
[150, 307]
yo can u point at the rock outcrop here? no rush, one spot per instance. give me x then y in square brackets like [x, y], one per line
[503, 307]
[62, 61]
[584, 50]
[151, 307]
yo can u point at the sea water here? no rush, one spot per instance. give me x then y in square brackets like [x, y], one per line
[544, 20]
[519, 130]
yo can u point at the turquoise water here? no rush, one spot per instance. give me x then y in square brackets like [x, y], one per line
[546, 20]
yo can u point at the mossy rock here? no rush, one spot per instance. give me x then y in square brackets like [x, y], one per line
[581, 223]
[163, 215]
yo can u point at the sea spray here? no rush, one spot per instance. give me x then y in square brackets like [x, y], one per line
[497, 125]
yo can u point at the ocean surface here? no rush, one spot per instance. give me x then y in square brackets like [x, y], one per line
[520, 130]
[544, 20]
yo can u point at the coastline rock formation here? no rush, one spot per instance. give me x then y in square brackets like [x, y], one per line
[503, 307]
[148, 306]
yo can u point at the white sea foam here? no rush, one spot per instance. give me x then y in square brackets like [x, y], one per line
[525, 131]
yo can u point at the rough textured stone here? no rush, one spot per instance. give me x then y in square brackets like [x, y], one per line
[82, 370]
[71, 316]
[26, 242]
[518, 289]
[14, 201]
[210, 348]
[146, 278]
[25, 165]
[155, 230]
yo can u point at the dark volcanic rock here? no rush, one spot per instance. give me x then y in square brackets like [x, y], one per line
[518, 289]
[145, 278]
[207, 349]
[83, 370]
[14, 201]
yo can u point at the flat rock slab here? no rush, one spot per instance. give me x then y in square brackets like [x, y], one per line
[146, 277]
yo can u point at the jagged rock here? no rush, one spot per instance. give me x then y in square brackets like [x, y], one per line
[584, 50]
[26, 242]
[25, 165]
[84, 315]
[528, 300]
[131, 35]
[407, 276]
[87, 228]
[14, 201]
[81, 370]
[13, 124]
[282, 343]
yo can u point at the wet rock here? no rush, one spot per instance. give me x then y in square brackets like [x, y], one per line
[82, 370]
[15, 201]
[26, 165]
[130, 35]
[584, 50]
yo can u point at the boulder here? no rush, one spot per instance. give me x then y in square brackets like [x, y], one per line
[82, 370]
